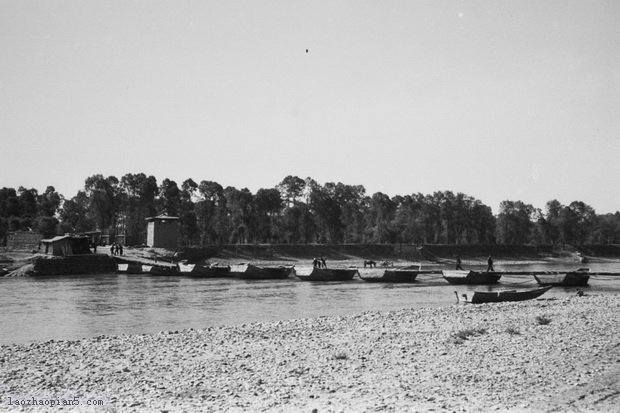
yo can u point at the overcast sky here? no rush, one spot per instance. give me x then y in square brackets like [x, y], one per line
[515, 100]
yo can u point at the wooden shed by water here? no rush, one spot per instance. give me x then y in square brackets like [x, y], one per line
[162, 231]
[64, 245]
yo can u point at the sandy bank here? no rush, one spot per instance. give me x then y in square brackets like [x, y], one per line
[395, 361]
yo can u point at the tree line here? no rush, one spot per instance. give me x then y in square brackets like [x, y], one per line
[296, 211]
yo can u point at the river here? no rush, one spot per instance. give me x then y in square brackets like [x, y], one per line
[73, 307]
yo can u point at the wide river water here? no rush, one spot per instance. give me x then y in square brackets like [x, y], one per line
[73, 307]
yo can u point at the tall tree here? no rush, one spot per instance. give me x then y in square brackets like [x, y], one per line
[291, 189]
[327, 212]
[103, 194]
[240, 207]
[169, 197]
[137, 203]
[267, 209]
[379, 217]
[74, 214]
[350, 199]
[190, 234]
[582, 219]
[211, 212]
[28, 202]
[514, 223]
[49, 202]
[553, 222]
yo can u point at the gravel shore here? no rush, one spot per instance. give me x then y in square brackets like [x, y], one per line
[535, 356]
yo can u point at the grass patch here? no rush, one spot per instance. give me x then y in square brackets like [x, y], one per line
[513, 331]
[462, 335]
[542, 320]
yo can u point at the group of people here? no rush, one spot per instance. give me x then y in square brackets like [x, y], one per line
[319, 262]
[489, 264]
[116, 249]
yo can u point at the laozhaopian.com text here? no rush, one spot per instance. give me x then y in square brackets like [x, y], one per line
[53, 402]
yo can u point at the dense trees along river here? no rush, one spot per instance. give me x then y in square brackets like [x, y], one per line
[298, 211]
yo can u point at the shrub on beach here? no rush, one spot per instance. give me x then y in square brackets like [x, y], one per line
[341, 356]
[542, 320]
[462, 335]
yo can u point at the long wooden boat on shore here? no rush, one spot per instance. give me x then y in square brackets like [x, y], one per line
[577, 278]
[471, 277]
[396, 275]
[329, 274]
[481, 297]
[254, 272]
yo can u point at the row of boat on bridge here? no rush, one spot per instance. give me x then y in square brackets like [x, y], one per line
[577, 278]
[545, 279]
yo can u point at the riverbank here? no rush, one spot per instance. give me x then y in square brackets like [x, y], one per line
[534, 356]
[429, 256]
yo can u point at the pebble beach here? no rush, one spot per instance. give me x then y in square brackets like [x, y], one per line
[546, 355]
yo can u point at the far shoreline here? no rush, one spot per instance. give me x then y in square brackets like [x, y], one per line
[428, 256]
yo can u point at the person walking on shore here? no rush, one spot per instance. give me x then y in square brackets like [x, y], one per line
[490, 264]
[458, 263]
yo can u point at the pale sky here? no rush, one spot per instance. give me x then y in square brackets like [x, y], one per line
[515, 100]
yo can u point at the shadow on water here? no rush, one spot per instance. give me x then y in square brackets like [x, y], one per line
[70, 307]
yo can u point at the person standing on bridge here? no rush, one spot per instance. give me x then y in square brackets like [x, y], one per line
[458, 263]
[490, 264]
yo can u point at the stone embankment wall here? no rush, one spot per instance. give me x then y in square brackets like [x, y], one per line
[300, 251]
[23, 240]
[74, 264]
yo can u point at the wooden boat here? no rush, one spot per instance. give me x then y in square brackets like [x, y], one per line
[329, 274]
[480, 297]
[471, 277]
[205, 271]
[254, 272]
[163, 270]
[134, 268]
[398, 275]
[577, 278]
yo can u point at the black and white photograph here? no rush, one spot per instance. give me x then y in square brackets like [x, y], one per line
[309, 206]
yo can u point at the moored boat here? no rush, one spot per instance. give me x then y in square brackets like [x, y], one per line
[205, 271]
[163, 270]
[133, 268]
[577, 278]
[471, 277]
[481, 297]
[254, 272]
[398, 275]
[328, 274]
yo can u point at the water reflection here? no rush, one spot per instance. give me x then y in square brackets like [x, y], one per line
[70, 307]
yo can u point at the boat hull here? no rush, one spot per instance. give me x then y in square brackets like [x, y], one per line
[394, 276]
[481, 297]
[164, 270]
[329, 274]
[253, 272]
[570, 279]
[471, 277]
[206, 271]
